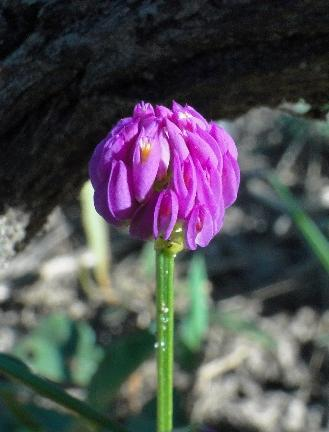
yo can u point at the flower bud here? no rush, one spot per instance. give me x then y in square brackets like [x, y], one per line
[161, 169]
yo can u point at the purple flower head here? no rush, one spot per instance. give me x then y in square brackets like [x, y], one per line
[161, 169]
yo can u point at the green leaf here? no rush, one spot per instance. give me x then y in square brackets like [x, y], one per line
[22, 415]
[44, 356]
[31, 417]
[195, 325]
[50, 420]
[315, 239]
[14, 368]
[121, 359]
[7, 421]
[61, 349]
[56, 327]
[87, 355]
[44, 348]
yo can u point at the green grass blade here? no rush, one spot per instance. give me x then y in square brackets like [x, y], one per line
[97, 235]
[147, 258]
[195, 324]
[14, 368]
[316, 240]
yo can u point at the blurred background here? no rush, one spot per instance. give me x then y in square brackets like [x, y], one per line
[252, 309]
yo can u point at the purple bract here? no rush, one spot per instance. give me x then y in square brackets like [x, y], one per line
[164, 168]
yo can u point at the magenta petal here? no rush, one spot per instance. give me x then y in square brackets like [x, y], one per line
[150, 126]
[224, 140]
[230, 179]
[145, 165]
[190, 229]
[95, 175]
[217, 188]
[165, 155]
[206, 233]
[130, 130]
[119, 126]
[187, 117]
[190, 180]
[100, 163]
[120, 144]
[142, 109]
[199, 229]
[101, 203]
[141, 225]
[176, 140]
[117, 148]
[120, 201]
[231, 147]
[200, 149]
[209, 193]
[176, 107]
[196, 115]
[211, 141]
[185, 184]
[163, 112]
[205, 194]
[178, 177]
[165, 214]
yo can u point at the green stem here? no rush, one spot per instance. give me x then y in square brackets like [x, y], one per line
[16, 369]
[165, 334]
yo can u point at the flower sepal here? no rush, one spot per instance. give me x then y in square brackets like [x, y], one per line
[174, 244]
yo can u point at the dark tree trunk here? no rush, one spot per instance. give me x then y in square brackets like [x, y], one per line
[70, 69]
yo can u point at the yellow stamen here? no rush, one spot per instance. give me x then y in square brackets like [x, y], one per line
[145, 149]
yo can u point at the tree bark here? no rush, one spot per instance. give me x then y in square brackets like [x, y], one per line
[69, 70]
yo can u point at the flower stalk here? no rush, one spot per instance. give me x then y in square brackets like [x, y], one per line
[165, 337]
[165, 260]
